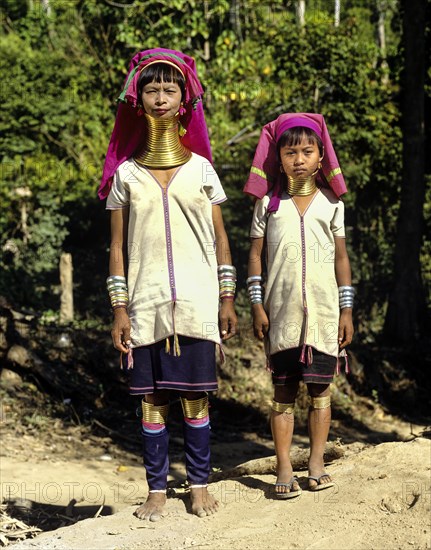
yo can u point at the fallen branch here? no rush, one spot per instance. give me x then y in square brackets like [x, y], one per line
[267, 465]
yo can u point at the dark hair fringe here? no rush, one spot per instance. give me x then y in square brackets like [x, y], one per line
[161, 72]
[294, 136]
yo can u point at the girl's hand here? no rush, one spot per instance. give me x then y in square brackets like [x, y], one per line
[121, 330]
[227, 320]
[345, 328]
[260, 321]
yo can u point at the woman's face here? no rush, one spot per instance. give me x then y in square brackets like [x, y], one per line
[300, 161]
[161, 99]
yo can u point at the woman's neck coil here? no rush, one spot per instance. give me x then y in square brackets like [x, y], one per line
[162, 147]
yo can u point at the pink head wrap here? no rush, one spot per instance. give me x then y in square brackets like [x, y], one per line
[265, 173]
[129, 125]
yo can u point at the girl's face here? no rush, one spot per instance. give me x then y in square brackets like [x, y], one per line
[161, 99]
[300, 161]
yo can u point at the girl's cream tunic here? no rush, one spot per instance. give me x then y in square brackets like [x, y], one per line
[301, 294]
[172, 264]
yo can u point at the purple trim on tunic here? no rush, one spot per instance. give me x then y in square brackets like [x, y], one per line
[318, 375]
[168, 229]
[205, 386]
[169, 245]
[220, 201]
[304, 266]
[304, 273]
[285, 377]
[183, 383]
[304, 292]
[167, 384]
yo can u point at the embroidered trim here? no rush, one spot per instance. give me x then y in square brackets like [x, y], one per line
[259, 172]
[133, 72]
[332, 174]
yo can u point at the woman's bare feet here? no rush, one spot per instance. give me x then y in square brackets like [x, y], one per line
[153, 508]
[203, 504]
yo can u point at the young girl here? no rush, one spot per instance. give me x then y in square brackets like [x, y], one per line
[171, 280]
[303, 317]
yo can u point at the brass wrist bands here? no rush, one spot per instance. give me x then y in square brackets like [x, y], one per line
[227, 281]
[118, 291]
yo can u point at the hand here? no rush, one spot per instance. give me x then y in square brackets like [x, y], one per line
[345, 328]
[260, 321]
[227, 320]
[121, 330]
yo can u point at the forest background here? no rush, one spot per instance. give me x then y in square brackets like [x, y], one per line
[64, 404]
[63, 64]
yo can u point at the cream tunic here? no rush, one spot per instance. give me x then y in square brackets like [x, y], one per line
[301, 294]
[172, 264]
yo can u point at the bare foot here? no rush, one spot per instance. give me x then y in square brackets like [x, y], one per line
[152, 509]
[203, 504]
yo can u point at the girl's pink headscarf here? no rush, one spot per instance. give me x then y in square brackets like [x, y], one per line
[129, 125]
[265, 170]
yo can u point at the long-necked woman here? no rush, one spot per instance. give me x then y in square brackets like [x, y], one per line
[171, 279]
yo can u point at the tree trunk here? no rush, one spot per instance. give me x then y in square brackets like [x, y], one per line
[405, 318]
[235, 19]
[337, 10]
[381, 38]
[66, 281]
[300, 12]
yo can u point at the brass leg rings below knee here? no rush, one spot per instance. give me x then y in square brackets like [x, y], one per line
[197, 408]
[320, 402]
[154, 414]
[286, 408]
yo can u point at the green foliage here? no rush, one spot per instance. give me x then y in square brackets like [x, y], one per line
[65, 67]
[52, 137]
[324, 69]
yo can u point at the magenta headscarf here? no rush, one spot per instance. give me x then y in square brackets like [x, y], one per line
[130, 124]
[265, 170]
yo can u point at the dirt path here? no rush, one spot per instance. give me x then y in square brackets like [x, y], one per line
[382, 499]
[57, 473]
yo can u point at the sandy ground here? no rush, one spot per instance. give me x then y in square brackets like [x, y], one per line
[381, 500]
[59, 474]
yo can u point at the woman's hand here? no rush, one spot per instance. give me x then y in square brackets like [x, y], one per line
[227, 320]
[260, 321]
[121, 330]
[345, 328]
